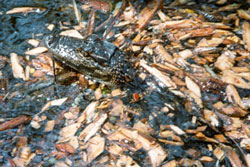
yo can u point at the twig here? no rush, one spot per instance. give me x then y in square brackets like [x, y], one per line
[115, 18]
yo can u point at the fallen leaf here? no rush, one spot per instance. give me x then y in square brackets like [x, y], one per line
[17, 69]
[146, 15]
[95, 147]
[225, 61]
[56, 102]
[69, 131]
[246, 34]
[231, 78]
[65, 147]
[126, 161]
[92, 128]
[155, 151]
[49, 126]
[205, 159]
[33, 42]
[233, 95]
[163, 54]
[158, 74]
[36, 51]
[89, 113]
[232, 156]
[72, 33]
[100, 5]
[244, 14]
[192, 86]
[23, 10]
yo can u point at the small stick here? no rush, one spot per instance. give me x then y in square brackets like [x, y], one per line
[91, 22]
[115, 18]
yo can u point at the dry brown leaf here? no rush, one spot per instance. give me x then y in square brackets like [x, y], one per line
[50, 27]
[245, 143]
[35, 124]
[200, 50]
[44, 63]
[172, 163]
[95, 147]
[201, 32]
[229, 7]
[74, 142]
[92, 128]
[246, 129]
[56, 102]
[206, 159]
[72, 33]
[234, 111]
[180, 24]
[162, 16]
[233, 95]
[167, 66]
[245, 75]
[33, 42]
[17, 69]
[192, 86]
[145, 16]
[143, 128]
[61, 163]
[25, 152]
[163, 54]
[126, 161]
[101, 5]
[244, 14]
[202, 137]
[188, 162]
[232, 156]
[89, 113]
[117, 108]
[194, 131]
[116, 92]
[27, 73]
[70, 130]
[36, 51]
[231, 78]
[49, 126]
[187, 53]
[65, 147]
[23, 10]
[98, 93]
[247, 158]
[225, 61]
[163, 78]
[129, 13]
[157, 155]
[219, 153]
[155, 151]
[246, 34]
[176, 129]
[210, 43]
[22, 162]
[211, 117]
[115, 149]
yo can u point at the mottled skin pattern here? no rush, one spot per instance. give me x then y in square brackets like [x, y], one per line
[93, 57]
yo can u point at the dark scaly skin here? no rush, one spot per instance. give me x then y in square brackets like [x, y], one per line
[98, 59]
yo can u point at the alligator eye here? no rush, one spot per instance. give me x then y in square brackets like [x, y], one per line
[49, 40]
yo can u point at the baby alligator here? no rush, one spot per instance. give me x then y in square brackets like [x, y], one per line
[95, 58]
